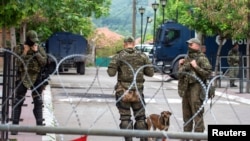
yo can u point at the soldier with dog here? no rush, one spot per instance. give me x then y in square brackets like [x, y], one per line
[130, 66]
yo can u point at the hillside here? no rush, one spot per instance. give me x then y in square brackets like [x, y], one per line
[120, 17]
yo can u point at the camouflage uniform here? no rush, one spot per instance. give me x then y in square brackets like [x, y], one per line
[125, 78]
[191, 90]
[233, 61]
[28, 77]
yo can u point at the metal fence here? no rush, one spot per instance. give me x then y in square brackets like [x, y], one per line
[6, 127]
[242, 77]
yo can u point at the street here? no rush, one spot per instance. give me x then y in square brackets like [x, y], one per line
[88, 102]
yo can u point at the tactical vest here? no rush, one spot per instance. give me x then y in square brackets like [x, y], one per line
[185, 79]
[32, 65]
[129, 63]
[34, 69]
[233, 58]
[191, 70]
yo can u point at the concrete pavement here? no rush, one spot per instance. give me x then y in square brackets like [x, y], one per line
[28, 118]
[231, 93]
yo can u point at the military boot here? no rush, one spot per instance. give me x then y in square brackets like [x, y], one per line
[38, 113]
[40, 123]
[15, 122]
[143, 139]
[14, 132]
[232, 84]
[16, 116]
[128, 139]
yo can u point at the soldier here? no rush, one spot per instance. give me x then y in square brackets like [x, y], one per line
[233, 61]
[194, 65]
[28, 77]
[129, 93]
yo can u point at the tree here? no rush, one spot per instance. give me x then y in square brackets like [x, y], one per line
[69, 16]
[11, 13]
[46, 16]
[226, 18]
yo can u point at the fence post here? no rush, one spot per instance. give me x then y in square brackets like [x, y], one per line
[241, 74]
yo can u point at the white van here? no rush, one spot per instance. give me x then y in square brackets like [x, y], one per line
[146, 48]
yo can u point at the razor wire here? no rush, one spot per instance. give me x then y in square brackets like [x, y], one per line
[97, 79]
[25, 73]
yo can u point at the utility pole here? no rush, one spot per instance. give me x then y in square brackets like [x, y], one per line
[134, 19]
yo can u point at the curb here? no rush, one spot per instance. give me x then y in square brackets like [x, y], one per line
[232, 97]
[224, 95]
[48, 114]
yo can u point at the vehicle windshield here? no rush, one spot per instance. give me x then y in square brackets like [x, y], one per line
[145, 48]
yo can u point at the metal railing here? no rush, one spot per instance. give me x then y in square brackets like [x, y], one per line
[7, 89]
[242, 71]
[105, 132]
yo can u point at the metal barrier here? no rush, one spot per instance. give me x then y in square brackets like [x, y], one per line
[7, 89]
[106, 132]
[242, 71]
[5, 127]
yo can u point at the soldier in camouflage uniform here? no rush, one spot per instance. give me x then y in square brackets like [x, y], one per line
[124, 62]
[28, 77]
[233, 61]
[196, 64]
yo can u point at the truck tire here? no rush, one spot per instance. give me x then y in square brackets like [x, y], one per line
[174, 72]
[80, 68]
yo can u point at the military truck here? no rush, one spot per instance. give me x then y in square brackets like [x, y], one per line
[65, 44]
[170, 46]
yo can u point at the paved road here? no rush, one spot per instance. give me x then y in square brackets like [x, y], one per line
[87, 101]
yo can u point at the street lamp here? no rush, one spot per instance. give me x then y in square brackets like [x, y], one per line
[141, 10]
[163, 4]
[155, 7]
[149, 20]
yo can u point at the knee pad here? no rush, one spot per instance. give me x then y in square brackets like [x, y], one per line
[141, 124]
[126, 124]
[37, 111]
[140, 117]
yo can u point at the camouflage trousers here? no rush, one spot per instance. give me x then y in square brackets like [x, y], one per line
[191, 103]
[233, 73]
[125, 112]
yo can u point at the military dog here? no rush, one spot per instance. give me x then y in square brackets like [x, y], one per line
[160, 122]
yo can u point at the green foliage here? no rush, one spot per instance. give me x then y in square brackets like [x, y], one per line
[10, 13]
[48, 16]
[73, 16]
[13, 11]
[227, 18]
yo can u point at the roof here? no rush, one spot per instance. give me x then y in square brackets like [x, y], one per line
[107, 37]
